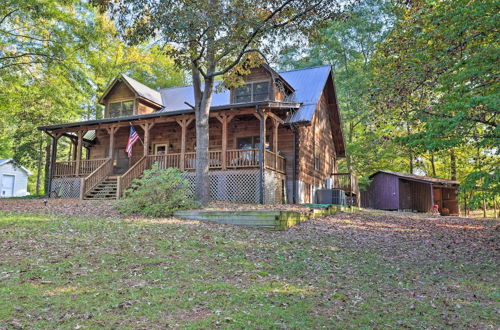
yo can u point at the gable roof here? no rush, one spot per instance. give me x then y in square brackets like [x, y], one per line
[420, 178]
[138, 88]
[10, 160]
[308, 84]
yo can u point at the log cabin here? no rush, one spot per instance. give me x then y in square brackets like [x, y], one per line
[275, 139]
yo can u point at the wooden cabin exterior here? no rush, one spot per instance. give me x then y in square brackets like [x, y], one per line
[293, 113]
[409, 192]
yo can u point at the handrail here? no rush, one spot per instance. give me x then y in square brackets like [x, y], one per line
[96, 177]
[133, 172]
[88, 166]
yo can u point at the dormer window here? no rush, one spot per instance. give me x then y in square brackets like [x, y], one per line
[121, 109]
[252, 92]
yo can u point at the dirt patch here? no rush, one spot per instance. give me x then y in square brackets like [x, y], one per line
[61, 207]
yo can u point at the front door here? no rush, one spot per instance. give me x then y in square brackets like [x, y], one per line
[8, 185]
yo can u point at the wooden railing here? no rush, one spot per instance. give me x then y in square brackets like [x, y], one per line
[165, 161]
[270, 160]
[68, 168]
[96, 177]
[134, 172]
[215, 159]
[242, 158]
[64, 169]
[281, 164]
[88, 166]
[190, 160]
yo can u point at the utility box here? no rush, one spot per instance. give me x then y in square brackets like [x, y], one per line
[331, 196]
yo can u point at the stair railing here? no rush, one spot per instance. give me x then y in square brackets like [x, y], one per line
[96, 177]
[134, 172]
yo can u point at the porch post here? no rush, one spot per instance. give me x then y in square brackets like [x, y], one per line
[262, 150]
[275, 142]
[183, 122]
[111, 131]
[224, 119]
[53, 158]
[146, 127]
[78, 152]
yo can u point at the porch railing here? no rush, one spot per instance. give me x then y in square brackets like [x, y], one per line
[134, 172]
[64, 169]
[242, 158]
[96, 177]
[165, 161]
[68, 168]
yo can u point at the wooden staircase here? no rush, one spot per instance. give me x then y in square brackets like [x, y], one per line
[106, 190]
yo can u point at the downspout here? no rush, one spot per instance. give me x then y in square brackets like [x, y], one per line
[261, 156]
[51, 166]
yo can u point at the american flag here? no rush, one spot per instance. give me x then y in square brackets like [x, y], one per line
[132, 138]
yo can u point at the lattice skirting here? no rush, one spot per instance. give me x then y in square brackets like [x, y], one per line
[242, 186]
[65, 188]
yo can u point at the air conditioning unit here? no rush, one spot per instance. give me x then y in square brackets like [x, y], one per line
[331, 196]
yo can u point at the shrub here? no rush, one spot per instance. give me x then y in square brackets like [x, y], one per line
[157, 193]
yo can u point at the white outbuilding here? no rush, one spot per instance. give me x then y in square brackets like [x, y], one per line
[13, 179]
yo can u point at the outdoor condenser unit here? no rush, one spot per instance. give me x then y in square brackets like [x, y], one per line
[331, 196]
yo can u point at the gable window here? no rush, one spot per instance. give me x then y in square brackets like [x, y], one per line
[120, 109]
[252, 92]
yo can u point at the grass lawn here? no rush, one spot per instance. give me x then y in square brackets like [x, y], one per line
[344, 271]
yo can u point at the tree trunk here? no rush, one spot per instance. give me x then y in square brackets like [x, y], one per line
[410, 155]
[453, 165]
[433, 164]
[202, 109]
[484, 206]
[39, 166]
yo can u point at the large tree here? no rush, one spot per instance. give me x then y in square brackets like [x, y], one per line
[56, 58]
[439, 69]
[212, 38]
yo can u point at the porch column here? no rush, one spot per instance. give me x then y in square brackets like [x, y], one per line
[275, 142]
[224, 119]
[146, 127]
[184, 123]
[111, 131]
[79, 134]
[53, 159]
[262, 116]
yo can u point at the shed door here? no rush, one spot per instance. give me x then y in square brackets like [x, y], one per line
[8, 185]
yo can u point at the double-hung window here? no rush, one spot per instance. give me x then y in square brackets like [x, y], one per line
[252, 92]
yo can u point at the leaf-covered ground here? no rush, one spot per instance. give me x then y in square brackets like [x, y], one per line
[367, 269]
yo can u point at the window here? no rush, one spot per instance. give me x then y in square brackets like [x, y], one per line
[243, 94]
[120, 109]
[253, 92]
[250, 142]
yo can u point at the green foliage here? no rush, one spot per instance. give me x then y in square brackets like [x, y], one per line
[56, 58]
[157, 193]
[438, 69]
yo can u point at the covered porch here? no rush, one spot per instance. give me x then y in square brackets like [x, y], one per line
[234, 146]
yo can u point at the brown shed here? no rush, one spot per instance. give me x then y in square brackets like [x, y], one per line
[402, 191]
